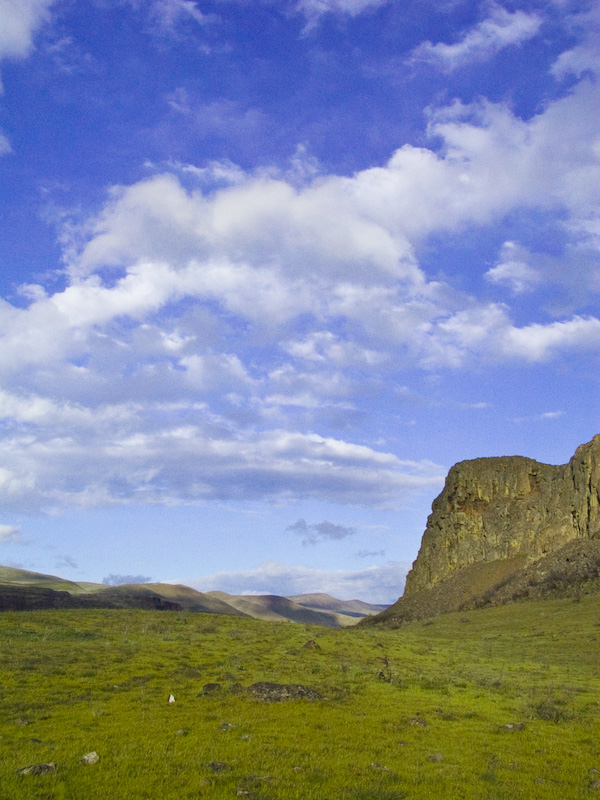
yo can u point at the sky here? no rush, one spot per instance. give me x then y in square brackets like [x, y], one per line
[269, 268]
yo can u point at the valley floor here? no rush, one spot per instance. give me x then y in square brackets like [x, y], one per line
[500, 704]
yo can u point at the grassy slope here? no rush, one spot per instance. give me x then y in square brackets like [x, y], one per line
[22, 577]
[99, 680]
[187, 598]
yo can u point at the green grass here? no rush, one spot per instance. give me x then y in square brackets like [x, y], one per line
[99, 680]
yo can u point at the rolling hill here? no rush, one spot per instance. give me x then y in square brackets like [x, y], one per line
[21, 590]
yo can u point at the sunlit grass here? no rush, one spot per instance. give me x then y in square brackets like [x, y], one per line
[413, 713]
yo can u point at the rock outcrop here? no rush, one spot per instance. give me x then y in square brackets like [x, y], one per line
[495, 520]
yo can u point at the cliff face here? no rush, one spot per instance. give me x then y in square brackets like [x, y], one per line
[503, 529]
[502, 508]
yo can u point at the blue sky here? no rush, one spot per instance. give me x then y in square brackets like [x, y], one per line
[268, 269]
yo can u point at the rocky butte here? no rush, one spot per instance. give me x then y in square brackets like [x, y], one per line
[504, 529]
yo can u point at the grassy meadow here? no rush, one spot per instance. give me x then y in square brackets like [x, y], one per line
[418, 712]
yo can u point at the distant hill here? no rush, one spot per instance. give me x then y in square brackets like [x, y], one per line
[506, 529]
[276, 608]
[21, 590]
[325, 602]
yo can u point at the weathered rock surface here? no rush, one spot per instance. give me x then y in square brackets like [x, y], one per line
[504, 528]
[276, 692]
[37, 769]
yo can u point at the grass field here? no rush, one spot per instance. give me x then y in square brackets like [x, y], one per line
[418, 712]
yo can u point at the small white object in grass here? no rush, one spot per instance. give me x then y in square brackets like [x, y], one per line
[90, 758]
[171, 699]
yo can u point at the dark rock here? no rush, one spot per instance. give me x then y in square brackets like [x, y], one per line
[37, 769]
[275, 692]
[211, 688]
[217, 766]
[311, 645]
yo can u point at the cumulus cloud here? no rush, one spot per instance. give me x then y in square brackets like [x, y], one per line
[513, 271]
[18, 23]
[540, 342]
[321, 531]
[207, 332]
[585, 56]
[118, 580]
[501, 29]
[10, 534]
[374, 584]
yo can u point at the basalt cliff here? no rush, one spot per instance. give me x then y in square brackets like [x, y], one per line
[504, 529]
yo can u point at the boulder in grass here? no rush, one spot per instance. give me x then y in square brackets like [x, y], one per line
[276, 692]
[171, 699]
[37, 769]
[311, 645]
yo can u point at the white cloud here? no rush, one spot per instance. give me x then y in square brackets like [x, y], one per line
[500, 30]
[513, 271]
[19, 20]
[585, 56]
[9, 534]
[5, 146]
[169, 12]
[546, 415]
[374, 584]
[204, 334]
[313, 9]
[540, 342]
[581, 59]
[152, 453]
